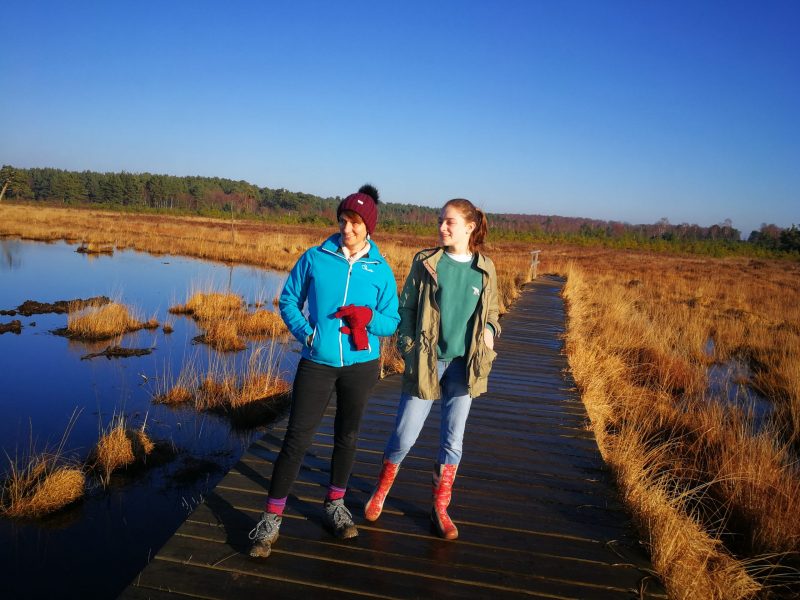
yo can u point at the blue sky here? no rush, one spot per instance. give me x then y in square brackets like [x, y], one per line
[618, 110]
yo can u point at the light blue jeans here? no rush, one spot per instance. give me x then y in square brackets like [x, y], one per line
[412, 412]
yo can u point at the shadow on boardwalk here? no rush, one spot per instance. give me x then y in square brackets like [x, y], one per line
[536, 510]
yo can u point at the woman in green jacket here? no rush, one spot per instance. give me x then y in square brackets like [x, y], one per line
[448, 323]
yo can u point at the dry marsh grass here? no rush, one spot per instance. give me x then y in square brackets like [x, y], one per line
[225, 386]
[225, 321]
[104, 321]
[641, 336]
[713, 493]
[208, 306]
[262, 323]
[40, 485]
[120, 447]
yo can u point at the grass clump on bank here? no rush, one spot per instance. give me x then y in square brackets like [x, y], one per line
[40, 485]
[226, 324]
[118, 448]
[244, 391]
[103, 321]
[208, 306]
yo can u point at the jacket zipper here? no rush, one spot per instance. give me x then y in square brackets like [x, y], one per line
[346, 289]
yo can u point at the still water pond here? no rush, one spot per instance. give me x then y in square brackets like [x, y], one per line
[96, 547]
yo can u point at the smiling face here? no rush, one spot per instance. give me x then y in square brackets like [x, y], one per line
[353, 230]
[454, 230]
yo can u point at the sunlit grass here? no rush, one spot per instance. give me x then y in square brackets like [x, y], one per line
[642, 330]
[120, 447]
[206, 306]
[104, 321]
[225, 385]
[39, 486]
[41, 482]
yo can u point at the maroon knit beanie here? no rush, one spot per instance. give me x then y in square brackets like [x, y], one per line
[364, 203]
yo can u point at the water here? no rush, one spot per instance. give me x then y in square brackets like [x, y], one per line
[102, 542]
[727, 383]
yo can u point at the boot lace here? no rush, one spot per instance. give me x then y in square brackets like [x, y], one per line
[264, 529]
[339, 514]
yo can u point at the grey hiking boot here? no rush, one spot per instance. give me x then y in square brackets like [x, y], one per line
[339, 520]
[264, 535]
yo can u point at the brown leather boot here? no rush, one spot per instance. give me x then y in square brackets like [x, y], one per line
[443, 478]
[374, 506]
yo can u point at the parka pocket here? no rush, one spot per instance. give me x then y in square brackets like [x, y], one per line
[484, 360]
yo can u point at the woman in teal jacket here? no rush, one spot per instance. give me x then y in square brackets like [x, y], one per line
[351, 297]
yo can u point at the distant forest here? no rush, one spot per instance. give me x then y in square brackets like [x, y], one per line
[219, 197]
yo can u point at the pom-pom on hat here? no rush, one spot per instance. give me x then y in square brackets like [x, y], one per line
[364, 203]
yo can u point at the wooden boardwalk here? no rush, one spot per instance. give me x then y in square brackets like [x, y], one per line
[536, 510]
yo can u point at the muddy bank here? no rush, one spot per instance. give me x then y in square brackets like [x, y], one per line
[118, 352]
[32, 307]
[14, 326]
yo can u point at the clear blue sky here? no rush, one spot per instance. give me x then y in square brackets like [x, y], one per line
[618, 110]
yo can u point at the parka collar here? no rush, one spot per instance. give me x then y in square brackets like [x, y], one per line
[432, 260]
[332, 244]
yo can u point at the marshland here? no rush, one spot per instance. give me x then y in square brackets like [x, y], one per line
[689, 367]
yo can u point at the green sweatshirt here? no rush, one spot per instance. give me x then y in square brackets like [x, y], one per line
[457, 296]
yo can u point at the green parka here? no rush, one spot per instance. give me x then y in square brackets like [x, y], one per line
[418, 333]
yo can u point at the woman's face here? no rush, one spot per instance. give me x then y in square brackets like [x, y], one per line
[353, 230]
[454, 230]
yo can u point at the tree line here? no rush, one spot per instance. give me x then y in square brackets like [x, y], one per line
[220, 196]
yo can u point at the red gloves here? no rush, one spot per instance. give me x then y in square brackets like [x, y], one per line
[357, 318]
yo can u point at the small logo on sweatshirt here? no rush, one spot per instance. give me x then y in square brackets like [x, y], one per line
[475, 291]
[366, 268]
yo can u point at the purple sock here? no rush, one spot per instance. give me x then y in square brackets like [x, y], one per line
[276, 505]
[335, 493]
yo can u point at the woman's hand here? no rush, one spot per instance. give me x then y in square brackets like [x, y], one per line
[488, 338]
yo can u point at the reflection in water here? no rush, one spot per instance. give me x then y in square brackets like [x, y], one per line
[9, 254]
[43, 381]
[728, 383]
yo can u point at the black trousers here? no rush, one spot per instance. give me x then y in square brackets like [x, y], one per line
[312, 390]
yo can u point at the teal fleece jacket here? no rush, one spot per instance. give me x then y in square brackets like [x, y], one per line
[324, 280]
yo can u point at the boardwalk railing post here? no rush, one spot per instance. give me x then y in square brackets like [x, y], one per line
[534, 263]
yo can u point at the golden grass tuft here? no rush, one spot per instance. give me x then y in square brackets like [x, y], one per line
[103, 321]
[178, 394]
[119, 448]
[256, 386]
[226, 324]
[226, 385]
[223, 336]
[205, 306]
[41, 486]
[262, 323]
